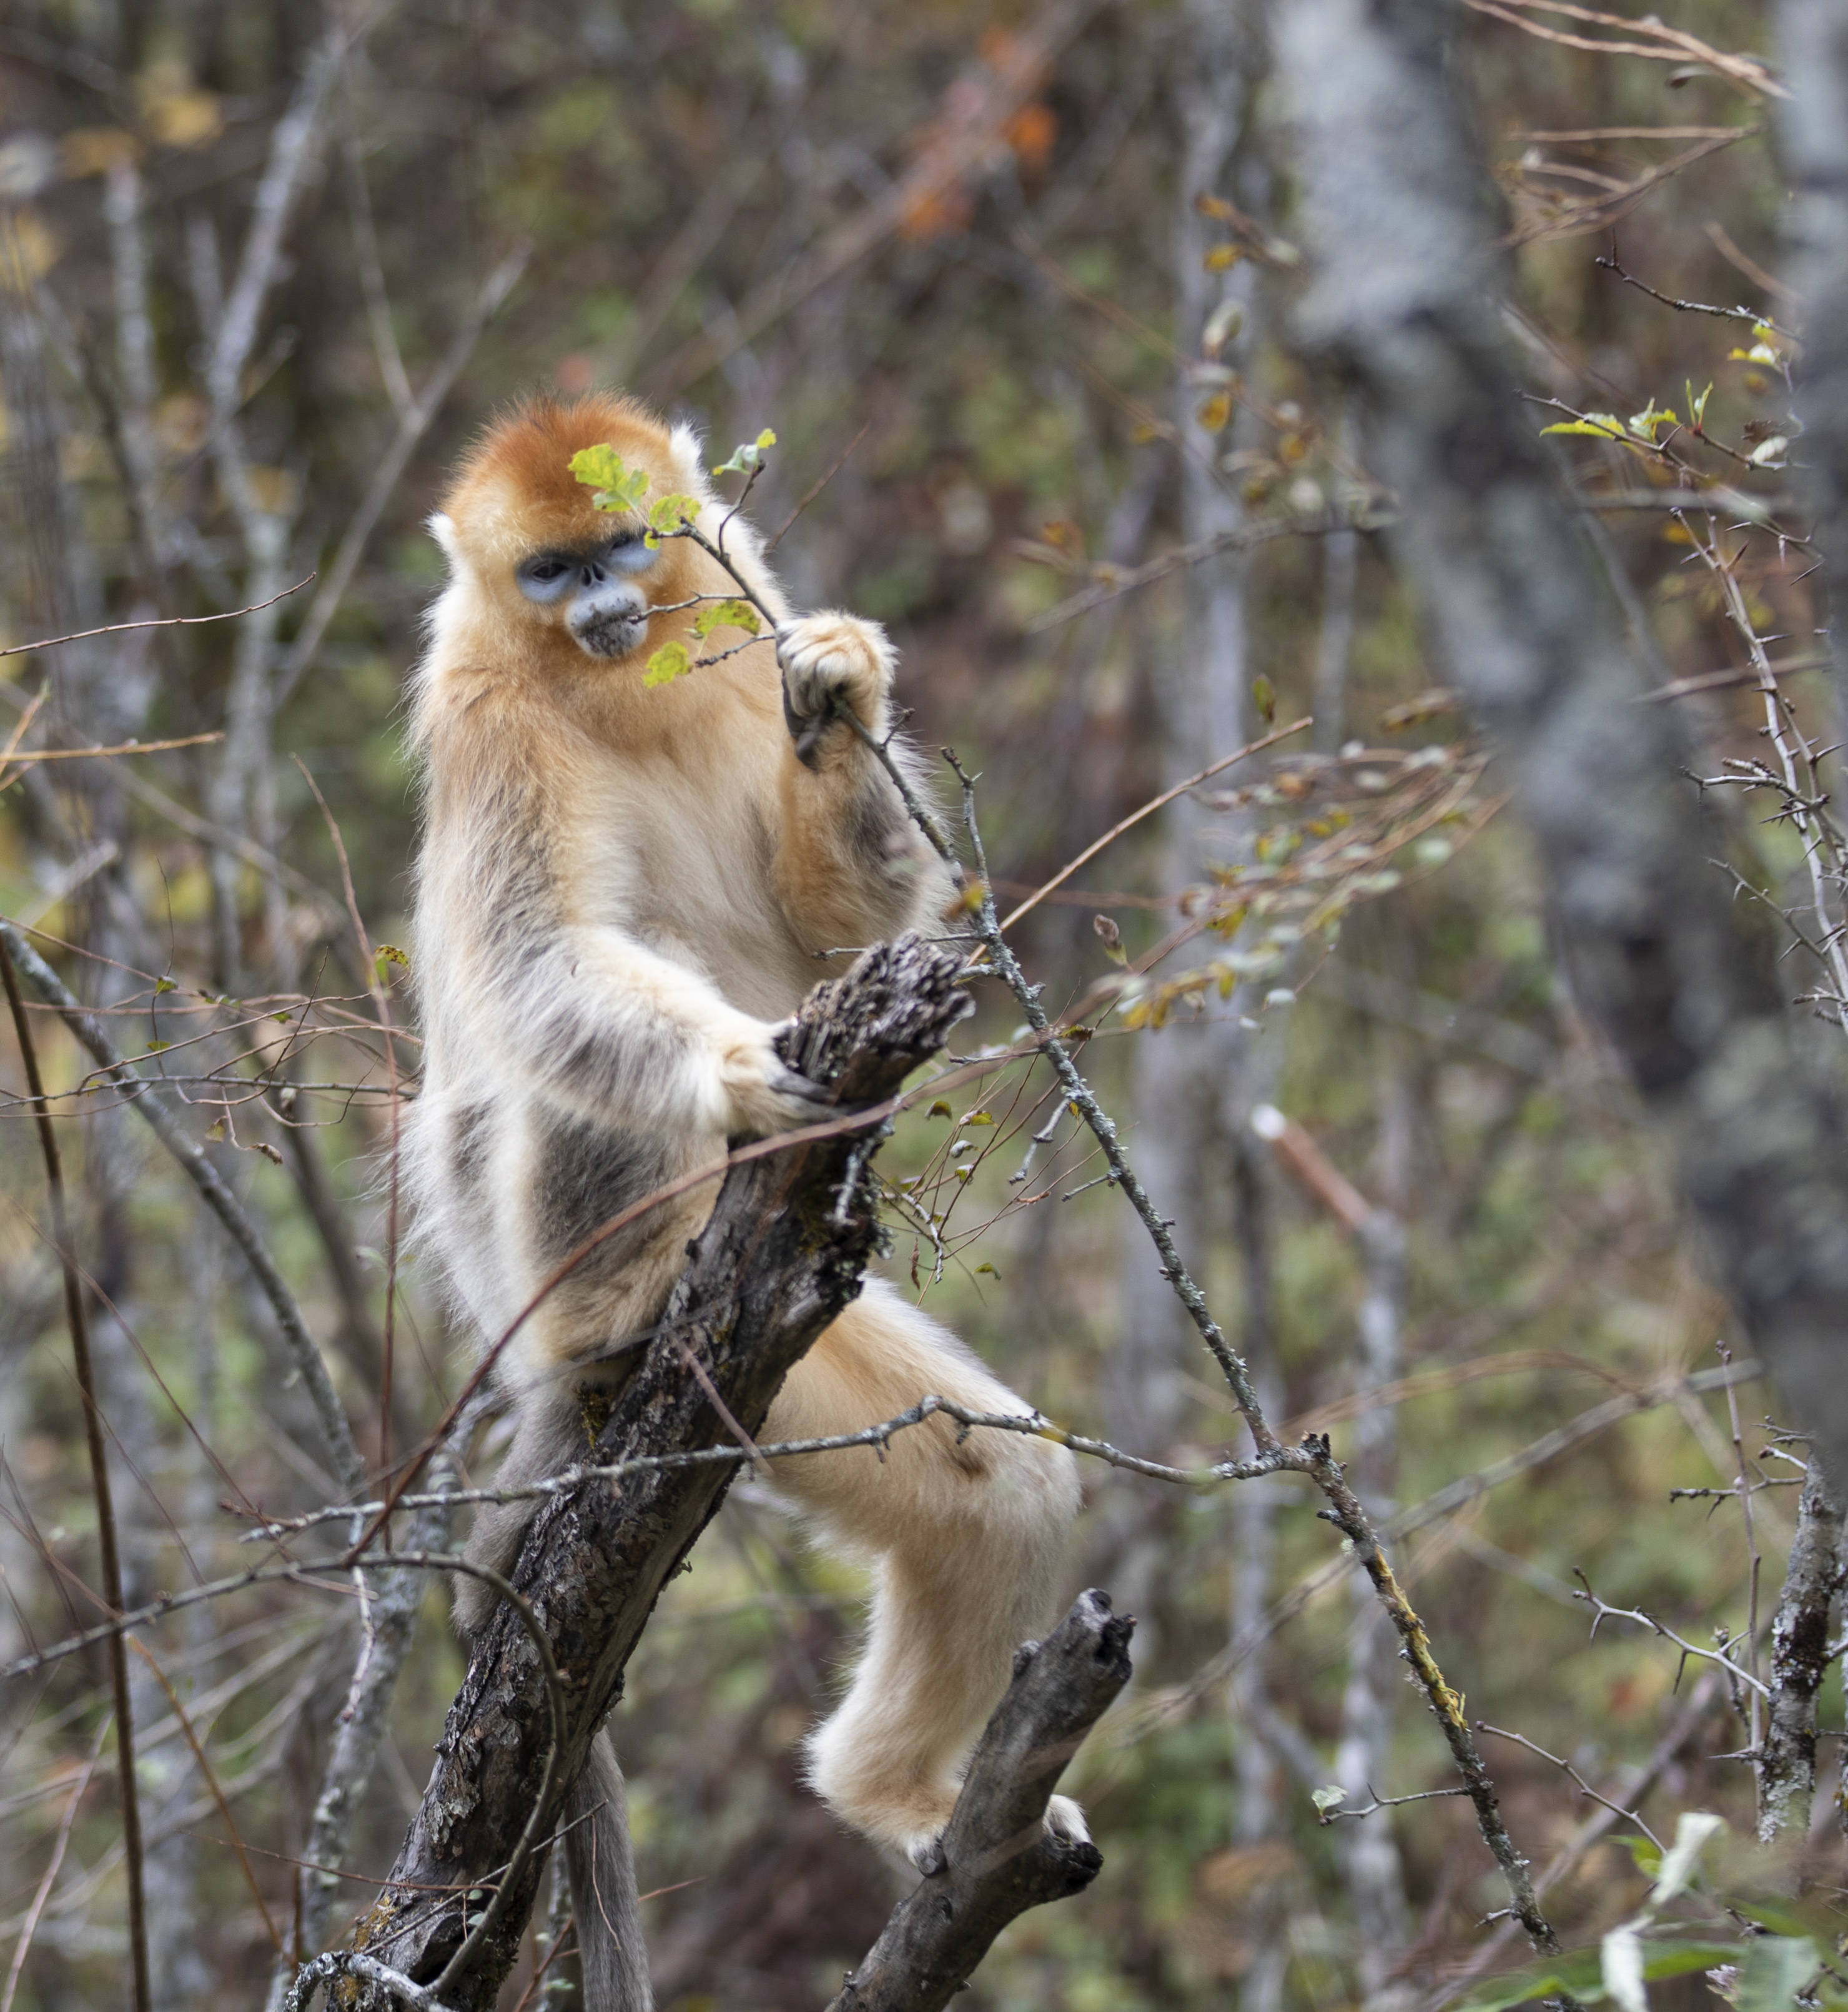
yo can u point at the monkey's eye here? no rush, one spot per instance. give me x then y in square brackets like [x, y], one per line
[545, 578]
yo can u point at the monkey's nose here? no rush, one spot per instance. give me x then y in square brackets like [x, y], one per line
[592, 576]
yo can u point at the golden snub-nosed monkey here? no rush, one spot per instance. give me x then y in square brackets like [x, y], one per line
[621, 891]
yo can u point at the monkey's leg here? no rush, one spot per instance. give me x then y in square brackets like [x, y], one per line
[966, 1540]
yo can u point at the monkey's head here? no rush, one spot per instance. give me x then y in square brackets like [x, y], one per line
[523, 533]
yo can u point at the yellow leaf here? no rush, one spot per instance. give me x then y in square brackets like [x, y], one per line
[1215, 413]
[670, 661]
[727, 614]
[187, 119]
[1222, 258]
[93, 150]
[27, 251]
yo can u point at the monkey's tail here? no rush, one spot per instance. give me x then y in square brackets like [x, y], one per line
[615, 1959]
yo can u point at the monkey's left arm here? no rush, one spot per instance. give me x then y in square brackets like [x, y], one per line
[851, 868]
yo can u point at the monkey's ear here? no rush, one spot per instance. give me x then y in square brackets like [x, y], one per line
[686, 449]
[442, 530]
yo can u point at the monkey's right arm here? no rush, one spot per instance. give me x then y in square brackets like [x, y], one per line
[851, 868]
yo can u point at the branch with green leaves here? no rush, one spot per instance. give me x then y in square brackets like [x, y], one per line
[621, 488]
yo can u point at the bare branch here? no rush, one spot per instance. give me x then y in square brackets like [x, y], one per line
[347, 1467]
[998, 1859]
[76, 1315]
[165, 622]
[1799, 1658]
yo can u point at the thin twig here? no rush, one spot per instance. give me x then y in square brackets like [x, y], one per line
[1148, 810]
[162, 621]
[817, 489]
[42, 1893]
[77, 1317]
[210, 1777]
[1566, 1767]
[348, 1467]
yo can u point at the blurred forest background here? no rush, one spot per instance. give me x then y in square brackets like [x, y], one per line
[1012, 283]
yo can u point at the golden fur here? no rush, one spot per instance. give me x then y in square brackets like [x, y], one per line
[621, 891]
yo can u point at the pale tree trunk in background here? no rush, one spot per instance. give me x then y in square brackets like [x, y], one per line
[1683, 980]
[1200, 689]
[1194, 1085]
[1813, 133]
[1340, 571]
[1370, 1862]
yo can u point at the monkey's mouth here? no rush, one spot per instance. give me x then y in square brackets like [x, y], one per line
[614, 634]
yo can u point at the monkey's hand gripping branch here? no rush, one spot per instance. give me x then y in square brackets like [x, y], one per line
[782, 1255]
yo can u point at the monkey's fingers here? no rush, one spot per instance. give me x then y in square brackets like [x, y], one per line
[789, 1083]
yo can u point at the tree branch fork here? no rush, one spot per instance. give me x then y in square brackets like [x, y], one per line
[783, 1254]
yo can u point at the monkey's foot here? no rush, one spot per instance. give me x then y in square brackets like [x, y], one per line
[831, 661]
[1063, 1819]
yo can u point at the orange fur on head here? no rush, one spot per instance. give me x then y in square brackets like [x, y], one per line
[513, 493]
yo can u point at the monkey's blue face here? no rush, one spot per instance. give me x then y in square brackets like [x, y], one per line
[604, 608]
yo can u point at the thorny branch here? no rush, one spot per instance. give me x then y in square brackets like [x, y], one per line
[1313, 1458]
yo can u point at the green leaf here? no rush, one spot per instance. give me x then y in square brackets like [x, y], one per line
[940, 1109]
[1578, 1974]
[1680, 1958]
[1327, 1799]
[1649, 1859]
[989, 1269]
[1264, 696]
[617, 487]
[746, 454]
[727, 615]
[389, 953]
[670, 661]
[157, 1047]
[1773, 1970]
[164, 985]
[599, 467]
[1600, 425]
[1646, 422]
[1786, 1917]
[669, 513]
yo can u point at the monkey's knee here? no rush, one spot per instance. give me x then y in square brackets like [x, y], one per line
[1032, 1491]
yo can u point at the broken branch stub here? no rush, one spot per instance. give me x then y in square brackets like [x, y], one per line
[999, 1860]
